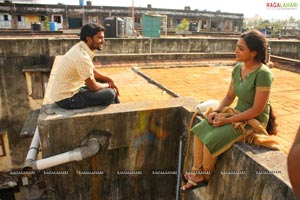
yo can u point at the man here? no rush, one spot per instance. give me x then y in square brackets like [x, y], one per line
[294, 165]
[76, 84]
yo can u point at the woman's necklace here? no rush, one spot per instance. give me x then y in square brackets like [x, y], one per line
[253, 67]
[248, 70]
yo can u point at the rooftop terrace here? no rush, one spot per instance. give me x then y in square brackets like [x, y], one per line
[166, 92]
[204, 80]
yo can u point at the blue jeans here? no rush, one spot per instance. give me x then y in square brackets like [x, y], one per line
[86, 98]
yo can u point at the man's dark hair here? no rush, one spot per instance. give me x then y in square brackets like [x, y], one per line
[89, 30]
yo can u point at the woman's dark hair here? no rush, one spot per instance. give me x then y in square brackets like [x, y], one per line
[272, 125]
[89, 30]
[256, 41]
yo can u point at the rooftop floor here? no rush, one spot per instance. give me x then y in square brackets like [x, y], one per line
[204, 80]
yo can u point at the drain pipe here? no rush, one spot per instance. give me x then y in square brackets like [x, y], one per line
[179, 167]
[77, 154]
[33, 149]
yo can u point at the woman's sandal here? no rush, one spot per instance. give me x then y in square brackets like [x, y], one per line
[185, 178]
[194, 184]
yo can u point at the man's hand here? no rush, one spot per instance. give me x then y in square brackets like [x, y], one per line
[114, 86]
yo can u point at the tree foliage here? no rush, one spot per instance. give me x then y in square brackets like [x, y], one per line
[259, 23]
[184, 24]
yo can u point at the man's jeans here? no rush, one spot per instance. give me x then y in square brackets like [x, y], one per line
[86, 98]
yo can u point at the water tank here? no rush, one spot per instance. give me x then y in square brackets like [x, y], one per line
[81, 2]
[36, 26]
[89, 3]
[128, 26]
[120, 27]
[193, 26]
[114, 27]
[53, 26]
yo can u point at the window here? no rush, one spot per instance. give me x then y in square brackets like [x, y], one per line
[2, 145]
[93, 19]
[178, 21]
[21, 21]
[5, 21]
[57, 19]
[5, 17]
[137, 20]
[39, 82]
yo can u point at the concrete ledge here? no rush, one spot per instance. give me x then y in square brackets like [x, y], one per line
[286, 63]
[248, 172]
[144, 138]
[150, 57]
[118, 119]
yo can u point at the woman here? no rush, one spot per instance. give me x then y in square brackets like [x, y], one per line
[251, 82]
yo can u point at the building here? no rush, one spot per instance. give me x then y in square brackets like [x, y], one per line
[291, 30]
[22, 16]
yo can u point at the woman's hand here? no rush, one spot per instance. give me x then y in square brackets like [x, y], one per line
[220, 121]
[211, 117]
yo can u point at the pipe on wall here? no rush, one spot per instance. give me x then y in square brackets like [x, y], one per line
[77, 154]
[34, 147]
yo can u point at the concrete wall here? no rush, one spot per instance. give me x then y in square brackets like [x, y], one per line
[144, 138]
[288, 49]
[16, 54]
[248, 172]
[143, 141]
[21, 52]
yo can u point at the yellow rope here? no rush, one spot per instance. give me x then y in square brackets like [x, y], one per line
[188, 140]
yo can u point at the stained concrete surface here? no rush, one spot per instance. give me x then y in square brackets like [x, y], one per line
[207, 79]
[183, 79]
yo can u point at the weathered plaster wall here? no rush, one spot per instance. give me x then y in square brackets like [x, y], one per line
[17, 53]
[21, 52]
[14, 109]
[14, 55]
[40, 51]
[285, 48]
[144, 137]
[248, 172]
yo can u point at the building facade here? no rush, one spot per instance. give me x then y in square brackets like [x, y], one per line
[22, 16]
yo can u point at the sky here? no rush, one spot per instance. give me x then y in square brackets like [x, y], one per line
[267, 9]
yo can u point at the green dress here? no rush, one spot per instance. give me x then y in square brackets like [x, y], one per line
[220, 139]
